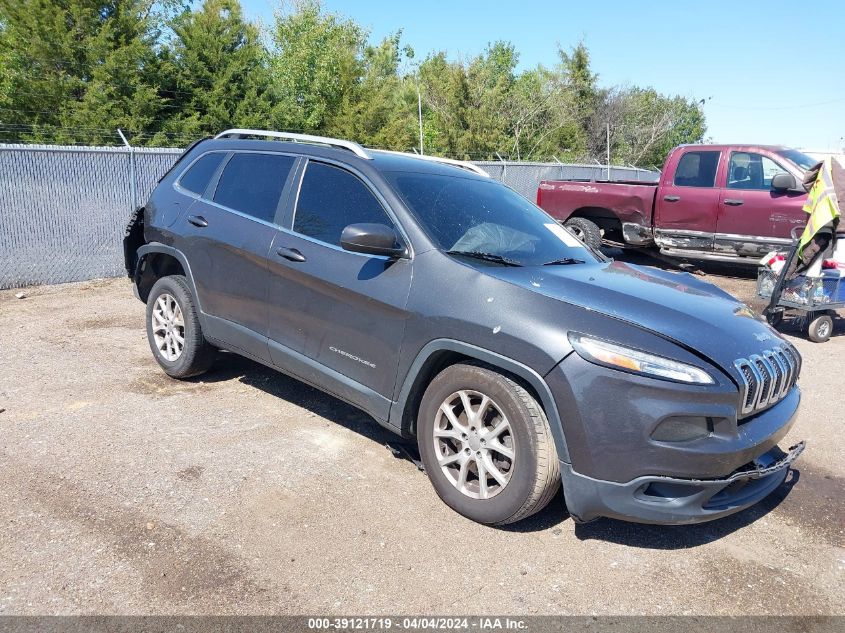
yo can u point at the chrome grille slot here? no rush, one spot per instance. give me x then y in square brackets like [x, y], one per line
[765, 392]
[767, 378]
[780, 369]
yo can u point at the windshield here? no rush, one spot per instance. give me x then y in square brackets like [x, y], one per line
[799, 158]
[485, 218]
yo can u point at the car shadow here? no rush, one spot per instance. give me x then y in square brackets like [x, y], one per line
[229, 366]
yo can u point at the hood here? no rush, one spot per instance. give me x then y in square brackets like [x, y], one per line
[677, 306]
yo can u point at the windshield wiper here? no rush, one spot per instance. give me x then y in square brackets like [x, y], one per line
[488, 257]
[564, 261]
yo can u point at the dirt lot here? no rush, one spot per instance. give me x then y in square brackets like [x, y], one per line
[122, 491]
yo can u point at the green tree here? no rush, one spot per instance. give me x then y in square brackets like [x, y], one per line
[74, 70]
[445, 92]
[645, 125]
[381, 109]
[316, 65]
[215, 74]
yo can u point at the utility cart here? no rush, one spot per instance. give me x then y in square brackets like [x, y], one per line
[814, 300]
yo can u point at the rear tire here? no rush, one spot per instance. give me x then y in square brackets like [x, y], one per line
[585, 230]
[476, 423]
[173, 329]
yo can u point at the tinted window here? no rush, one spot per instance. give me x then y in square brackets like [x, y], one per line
[483, 216]
[752, 171]
[253, 183]
[697, 169]
[330, 199]
[197, 177]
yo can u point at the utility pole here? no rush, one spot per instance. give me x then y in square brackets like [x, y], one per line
[419, 112]
[133, 187]
[608, 150]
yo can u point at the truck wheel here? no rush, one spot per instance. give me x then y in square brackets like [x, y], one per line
[585, 230]
[820, 328]
[173, 329]
[486, 445]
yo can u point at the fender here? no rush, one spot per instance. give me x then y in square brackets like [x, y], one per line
[158, 247]
[508, 364]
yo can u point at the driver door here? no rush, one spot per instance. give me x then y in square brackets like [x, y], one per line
[349, 309]
[752, 216]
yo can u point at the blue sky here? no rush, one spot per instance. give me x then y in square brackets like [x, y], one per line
[771, 72]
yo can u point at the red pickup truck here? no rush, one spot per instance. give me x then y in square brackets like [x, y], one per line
[722, 202]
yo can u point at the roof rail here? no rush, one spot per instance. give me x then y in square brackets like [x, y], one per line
[353, 147]
[438, 159]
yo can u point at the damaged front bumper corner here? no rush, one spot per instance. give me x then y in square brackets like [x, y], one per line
[674, 501]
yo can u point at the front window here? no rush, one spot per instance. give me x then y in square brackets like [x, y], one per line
[330, 199]
[465, 215]
[748, 170]
[799, 158]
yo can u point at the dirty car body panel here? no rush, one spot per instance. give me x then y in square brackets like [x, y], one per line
[373, 330]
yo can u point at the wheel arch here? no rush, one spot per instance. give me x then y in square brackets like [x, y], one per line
[605, 218]
[156, 260]
[441, 353]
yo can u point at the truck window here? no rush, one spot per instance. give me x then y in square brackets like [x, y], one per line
[252, 184]
[330, 199]
[748, 170]
[196, 178]
[697, 169]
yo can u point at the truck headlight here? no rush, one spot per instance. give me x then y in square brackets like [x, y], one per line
[632, 360]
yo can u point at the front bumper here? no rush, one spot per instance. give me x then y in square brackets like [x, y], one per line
[674, 501]
[620, 464]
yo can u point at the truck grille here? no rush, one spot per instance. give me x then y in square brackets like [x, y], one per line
[767, 377]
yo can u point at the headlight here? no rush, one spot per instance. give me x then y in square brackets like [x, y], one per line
[618, 357]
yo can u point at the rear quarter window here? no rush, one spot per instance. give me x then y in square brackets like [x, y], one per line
[198, 175]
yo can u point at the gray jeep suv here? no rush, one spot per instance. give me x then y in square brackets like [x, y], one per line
[454, 311]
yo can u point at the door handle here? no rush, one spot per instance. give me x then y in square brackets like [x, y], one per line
[291, 253]
[198, 220]
[733, 202]
[671, 198]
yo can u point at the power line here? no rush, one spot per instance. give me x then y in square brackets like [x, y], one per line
[773, 108]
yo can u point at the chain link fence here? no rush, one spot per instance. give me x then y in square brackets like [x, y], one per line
[63, 209]
[524, 177]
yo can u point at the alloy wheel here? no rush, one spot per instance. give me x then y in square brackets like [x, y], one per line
[474, 444]
[168, 327]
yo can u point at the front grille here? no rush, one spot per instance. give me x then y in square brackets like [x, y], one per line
[767, 377]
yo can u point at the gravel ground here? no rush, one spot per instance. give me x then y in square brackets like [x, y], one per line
[244, 492]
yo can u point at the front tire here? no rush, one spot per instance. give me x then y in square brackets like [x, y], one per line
[486, 445]
[173, 329]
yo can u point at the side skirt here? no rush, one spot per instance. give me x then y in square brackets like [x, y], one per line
[245, 342]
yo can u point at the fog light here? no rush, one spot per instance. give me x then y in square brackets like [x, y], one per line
[682, 429]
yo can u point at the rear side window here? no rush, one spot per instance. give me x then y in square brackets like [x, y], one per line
[697, 169]
[197, 177]
[253, 183]
[330, 199]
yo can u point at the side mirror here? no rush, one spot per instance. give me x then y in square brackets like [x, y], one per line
[372, 239]
[783, 182]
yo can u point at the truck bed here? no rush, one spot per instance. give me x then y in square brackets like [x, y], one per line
[630, 201]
